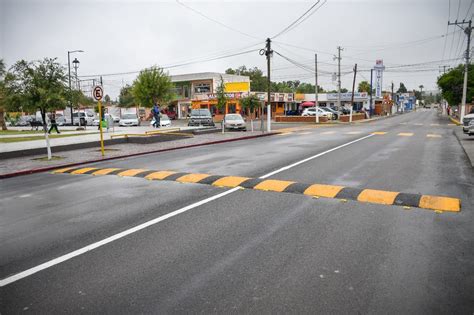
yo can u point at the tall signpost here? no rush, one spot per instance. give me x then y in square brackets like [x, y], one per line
[316, 105]
[379, 68]
[98, 93]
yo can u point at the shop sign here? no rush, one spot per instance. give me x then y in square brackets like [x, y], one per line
[347, 96]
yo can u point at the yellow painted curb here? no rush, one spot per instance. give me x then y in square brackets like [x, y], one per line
[455, 121]
[62, 170]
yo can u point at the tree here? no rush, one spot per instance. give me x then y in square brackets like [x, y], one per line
[250, 103]
[220, 95]
[152, 86]
[451, 85]
[2, 95]
[402, 88]
[107, 98]
[38, 85]
[126, 97]
[364, 86]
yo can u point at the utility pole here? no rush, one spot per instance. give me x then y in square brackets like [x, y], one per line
[316, 89]
[338, 58]
[371, 79]
[393, 99]
[467, 30]
[353, 89]
[268, 52]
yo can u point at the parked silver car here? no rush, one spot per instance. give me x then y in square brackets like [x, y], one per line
[234, 122]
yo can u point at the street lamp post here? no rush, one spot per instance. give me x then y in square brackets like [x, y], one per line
[69, 79]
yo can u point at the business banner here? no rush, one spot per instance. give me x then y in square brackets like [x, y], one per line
[379, 68]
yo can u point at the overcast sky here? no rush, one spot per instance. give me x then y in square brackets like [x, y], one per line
[123, 36]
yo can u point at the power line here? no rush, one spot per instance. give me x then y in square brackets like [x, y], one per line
[447, 29]
[286, 29]
[215, 21]
[173, 66]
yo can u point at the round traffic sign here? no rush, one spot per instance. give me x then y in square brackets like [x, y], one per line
[98, 92]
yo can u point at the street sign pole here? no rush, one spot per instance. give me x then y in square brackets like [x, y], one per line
[97, 93]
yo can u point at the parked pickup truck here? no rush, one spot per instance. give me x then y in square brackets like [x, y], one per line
[201, 117]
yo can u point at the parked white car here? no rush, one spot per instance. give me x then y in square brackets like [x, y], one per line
[234, 121]
[164, 121]
[465, 123]
[311, 111]
[129, 120]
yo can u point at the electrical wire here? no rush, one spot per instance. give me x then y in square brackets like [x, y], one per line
[286, 29]
[447, 29]
[173, 66]
[215, 21]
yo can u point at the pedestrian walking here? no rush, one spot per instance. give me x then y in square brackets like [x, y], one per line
[156, 115]
[54, 125]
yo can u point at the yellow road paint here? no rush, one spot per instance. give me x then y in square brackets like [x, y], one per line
[105, 171]
[418, 124]
[379, 133]
[430, 135]
[405, 134]
[305, 133]
[377, 196]
[273, 185]
[132, 172]
[192, 178]
[159, 175]
[284, 133]
[328, 132]
[62, 170]
[83, 170]
[440, 203]
[434, 124]
[230, 181]
[329, 191]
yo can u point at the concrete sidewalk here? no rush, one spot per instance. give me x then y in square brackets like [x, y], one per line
[467, 143]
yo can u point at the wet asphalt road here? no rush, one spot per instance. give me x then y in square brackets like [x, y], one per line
[251, 251]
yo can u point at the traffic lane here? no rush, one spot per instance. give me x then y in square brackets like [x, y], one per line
[258, 252]
[69, 212]
[403, 159]
[245, 158]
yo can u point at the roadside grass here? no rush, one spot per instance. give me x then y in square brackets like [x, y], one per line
[32, 138]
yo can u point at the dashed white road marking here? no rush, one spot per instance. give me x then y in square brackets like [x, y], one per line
[353, 132]
[328, 132]
[431, 135]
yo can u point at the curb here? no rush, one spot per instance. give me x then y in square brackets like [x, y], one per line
[436, 203]
[469, 156]
[50, 168]
[455, 121]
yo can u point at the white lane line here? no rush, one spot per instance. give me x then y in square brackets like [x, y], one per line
[313, 157]
[110, 239]
[142, 226]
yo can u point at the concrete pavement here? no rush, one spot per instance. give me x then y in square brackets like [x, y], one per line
[251, 251]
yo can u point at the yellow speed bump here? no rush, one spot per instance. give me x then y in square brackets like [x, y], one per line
[192, 178]
[105, 171]
[273, 185]
[379, 133]
[405, 134]
[329, 191]
[83, 170]
[229, 181]
[62, 170]
[132, 172]
[159, 175]
[440, 203]
[377, 196]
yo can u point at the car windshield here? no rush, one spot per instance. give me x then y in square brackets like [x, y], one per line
[200, 112]
[129, 116]
[233, 117]
[80, 114]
